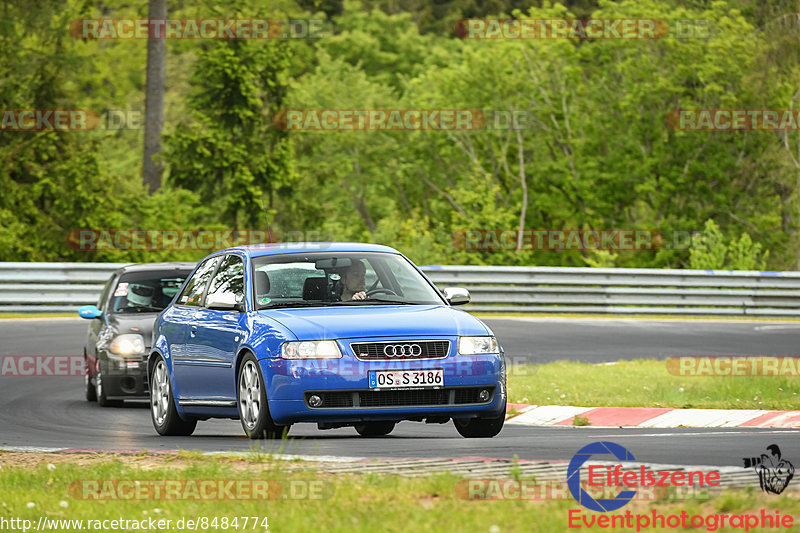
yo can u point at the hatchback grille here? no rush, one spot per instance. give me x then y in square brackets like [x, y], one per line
[400, 350]
[400, 398]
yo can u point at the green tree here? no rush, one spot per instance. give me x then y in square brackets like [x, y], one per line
[710, 251]
[232, 155]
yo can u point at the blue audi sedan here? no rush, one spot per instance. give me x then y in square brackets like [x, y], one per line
[340, 334]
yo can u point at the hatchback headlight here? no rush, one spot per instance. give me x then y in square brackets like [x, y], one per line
[477, 345]
[127, 344]
[310, 350]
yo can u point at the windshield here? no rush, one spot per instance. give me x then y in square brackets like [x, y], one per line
[328, 278]
[146, 292]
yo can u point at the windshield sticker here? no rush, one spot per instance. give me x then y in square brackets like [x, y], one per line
[122, 290]
[263, 301]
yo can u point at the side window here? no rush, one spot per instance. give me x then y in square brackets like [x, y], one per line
[229, 279]
[104, 296]
[193, 292]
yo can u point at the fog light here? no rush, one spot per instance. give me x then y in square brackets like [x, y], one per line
[483, 395]
[314, 401]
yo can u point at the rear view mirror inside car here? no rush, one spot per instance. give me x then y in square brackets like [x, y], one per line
[330, 263]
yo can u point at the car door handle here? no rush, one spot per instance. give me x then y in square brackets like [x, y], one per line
[193, 331]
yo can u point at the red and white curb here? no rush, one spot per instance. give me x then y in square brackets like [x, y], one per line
[650, 417]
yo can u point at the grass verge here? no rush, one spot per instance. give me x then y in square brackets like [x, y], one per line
[39, 315]
[645, 383]
[351, 503]
[716, 318]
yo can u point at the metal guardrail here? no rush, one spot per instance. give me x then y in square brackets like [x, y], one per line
[51, 287]
[624, 290]
[63, 287]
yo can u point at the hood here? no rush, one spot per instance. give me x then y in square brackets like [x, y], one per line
[141, 323]
[318, 323]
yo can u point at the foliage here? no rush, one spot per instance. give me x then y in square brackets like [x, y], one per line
[594, 153]
[710, 251]
[231, 152]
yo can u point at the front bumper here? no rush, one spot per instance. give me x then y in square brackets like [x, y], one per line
[343, 384]
[125, 379]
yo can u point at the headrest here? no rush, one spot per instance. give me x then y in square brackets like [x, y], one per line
[262, 282]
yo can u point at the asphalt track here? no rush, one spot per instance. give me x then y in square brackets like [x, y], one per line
[49, 412]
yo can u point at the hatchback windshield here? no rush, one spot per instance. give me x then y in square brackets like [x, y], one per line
[142, 292]
[299, 280]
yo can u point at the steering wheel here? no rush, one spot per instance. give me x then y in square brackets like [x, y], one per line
[373, 292]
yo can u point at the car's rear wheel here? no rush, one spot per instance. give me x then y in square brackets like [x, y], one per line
[162, 405]
[375, 429]
[476, 428]
[100, 392]
[252, 400]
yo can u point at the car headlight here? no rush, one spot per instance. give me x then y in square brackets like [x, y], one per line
[310, 350]
[477, 345]
[127, 344]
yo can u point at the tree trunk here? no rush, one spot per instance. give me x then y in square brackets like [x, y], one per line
[154, 98]
[524, 183]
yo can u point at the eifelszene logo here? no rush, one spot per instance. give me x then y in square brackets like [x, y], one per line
[631, 476]
[774, 473]
[574, 476]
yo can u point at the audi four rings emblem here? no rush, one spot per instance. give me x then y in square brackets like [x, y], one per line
[402, 350]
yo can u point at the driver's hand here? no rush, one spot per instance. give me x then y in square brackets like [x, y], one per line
[360, 296]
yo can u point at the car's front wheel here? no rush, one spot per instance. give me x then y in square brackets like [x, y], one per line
[100, 392]
[162, 404]
[253, 408]
[88, 386]
[473, 428]
[375, 429]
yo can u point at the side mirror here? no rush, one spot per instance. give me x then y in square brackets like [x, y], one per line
[224, 301]
[89, 312]
[456, 295]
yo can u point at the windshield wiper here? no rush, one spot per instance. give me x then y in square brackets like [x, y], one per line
[376, 300]
[294, 304]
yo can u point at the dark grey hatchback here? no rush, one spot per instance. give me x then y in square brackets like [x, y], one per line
[121, 329]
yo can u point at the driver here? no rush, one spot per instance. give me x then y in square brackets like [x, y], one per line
[140, 295]
[353, 282]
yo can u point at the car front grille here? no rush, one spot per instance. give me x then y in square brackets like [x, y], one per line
[399, 398]
[400, 350]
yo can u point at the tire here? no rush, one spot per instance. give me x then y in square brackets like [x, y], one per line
[375, 429]
[162, 405]
[252, 402]
[479, 428]
[100, 392]
[88, 387]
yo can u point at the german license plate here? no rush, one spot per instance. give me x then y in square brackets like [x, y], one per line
[406, 379]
